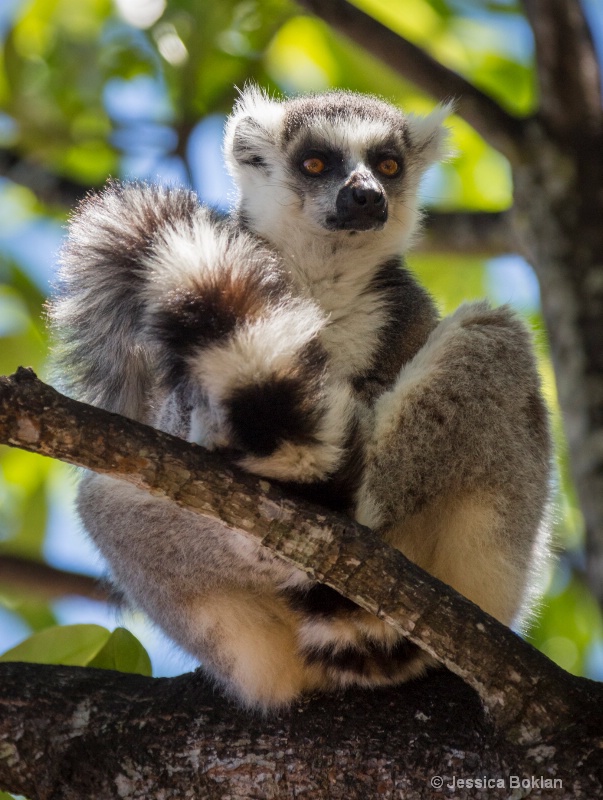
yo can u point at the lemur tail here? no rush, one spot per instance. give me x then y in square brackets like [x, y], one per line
[102, 353]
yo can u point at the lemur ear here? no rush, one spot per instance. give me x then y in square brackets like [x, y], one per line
[252, 129]
[428, 135]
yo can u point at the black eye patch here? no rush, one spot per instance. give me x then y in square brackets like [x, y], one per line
[313, 161]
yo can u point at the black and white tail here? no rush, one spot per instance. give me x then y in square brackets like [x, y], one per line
[102, 354]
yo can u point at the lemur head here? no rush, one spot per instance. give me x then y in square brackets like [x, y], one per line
[336, 164]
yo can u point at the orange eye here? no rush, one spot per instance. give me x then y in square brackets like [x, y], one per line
[388, 167]
[313, 166]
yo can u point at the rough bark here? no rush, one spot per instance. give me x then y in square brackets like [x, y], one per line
[526, 698]
[558, 210]
[70, 733]
[566, 65]
[166, 737]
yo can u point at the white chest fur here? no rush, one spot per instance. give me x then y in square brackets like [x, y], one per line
[337, 275]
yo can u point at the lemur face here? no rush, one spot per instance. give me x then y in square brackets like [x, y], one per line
[333, 163]
[345, 182]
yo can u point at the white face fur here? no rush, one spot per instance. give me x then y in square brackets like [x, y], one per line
[335, 166]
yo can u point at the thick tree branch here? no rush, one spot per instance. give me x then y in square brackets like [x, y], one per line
[509, 676]
[499, 128]
[567, 66]
[71, 733]
[41, 580]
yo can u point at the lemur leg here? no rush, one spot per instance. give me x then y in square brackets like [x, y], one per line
[458, 463]
[462, 540]
[214, 591]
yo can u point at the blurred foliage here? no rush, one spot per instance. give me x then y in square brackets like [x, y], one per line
[487, 42]
[90, 88]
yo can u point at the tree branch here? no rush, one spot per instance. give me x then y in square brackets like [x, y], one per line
[68, 733]
[507, 673]
[477, 233]
[499, 128]
[567, 66]
[41, 580]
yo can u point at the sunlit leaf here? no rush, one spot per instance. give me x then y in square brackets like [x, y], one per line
[493, 50]
[70, 645]
[123, 652]
[90, 161]
[325, 55]
[14, 318]
[482, 178]
[300, 55]
[416, 19]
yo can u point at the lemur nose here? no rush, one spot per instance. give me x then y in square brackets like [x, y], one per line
[361, 205]
[368, 196]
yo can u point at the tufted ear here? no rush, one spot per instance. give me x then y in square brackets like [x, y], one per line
[252, 129]
[428, 135]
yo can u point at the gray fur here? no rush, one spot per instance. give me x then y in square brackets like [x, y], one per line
[292, 334]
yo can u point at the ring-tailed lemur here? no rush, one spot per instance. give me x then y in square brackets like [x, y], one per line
[291, 333]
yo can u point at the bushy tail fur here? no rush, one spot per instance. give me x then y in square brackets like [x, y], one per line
[102, 355]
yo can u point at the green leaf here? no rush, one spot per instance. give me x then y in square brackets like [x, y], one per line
[123, 652]
[83, 646]
[70, 645]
